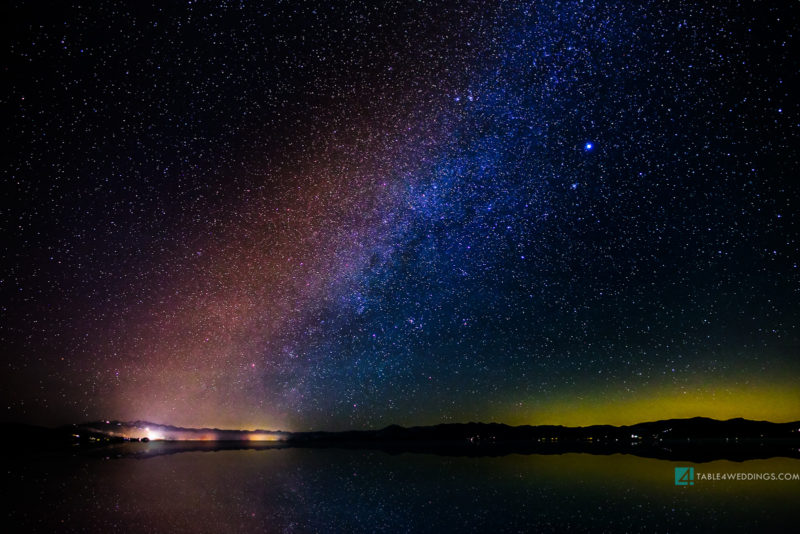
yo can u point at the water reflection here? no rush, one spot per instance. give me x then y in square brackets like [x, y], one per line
[332, 490]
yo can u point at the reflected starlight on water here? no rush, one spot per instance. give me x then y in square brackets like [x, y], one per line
[312, 490]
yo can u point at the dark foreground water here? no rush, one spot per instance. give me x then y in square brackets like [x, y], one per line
[330, 490]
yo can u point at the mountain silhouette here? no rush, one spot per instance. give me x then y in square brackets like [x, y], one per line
[697, 439]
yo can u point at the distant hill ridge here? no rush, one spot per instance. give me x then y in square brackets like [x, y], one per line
[667, 429]
[699, 439]
[661, 430]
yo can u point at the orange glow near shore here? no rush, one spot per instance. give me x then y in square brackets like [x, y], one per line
[262, 437]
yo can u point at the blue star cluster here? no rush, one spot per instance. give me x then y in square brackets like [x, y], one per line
[321, 215]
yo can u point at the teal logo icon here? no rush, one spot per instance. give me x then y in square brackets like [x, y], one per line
[684, 476]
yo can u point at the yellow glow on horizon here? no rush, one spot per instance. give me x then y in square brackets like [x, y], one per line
[776, 403]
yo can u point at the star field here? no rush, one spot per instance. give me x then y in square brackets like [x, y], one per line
[342, 215]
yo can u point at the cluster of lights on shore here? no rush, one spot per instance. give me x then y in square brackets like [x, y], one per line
[155, 435]
[134, 432]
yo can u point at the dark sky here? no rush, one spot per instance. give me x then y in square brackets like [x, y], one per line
[342, 215]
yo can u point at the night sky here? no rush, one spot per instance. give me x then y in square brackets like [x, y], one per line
[341, 215]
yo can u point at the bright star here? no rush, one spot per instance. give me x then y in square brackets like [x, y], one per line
[588, 146]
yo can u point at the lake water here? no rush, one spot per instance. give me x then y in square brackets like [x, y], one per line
[333, 490]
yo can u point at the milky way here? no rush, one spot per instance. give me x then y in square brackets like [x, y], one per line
[310, 215]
